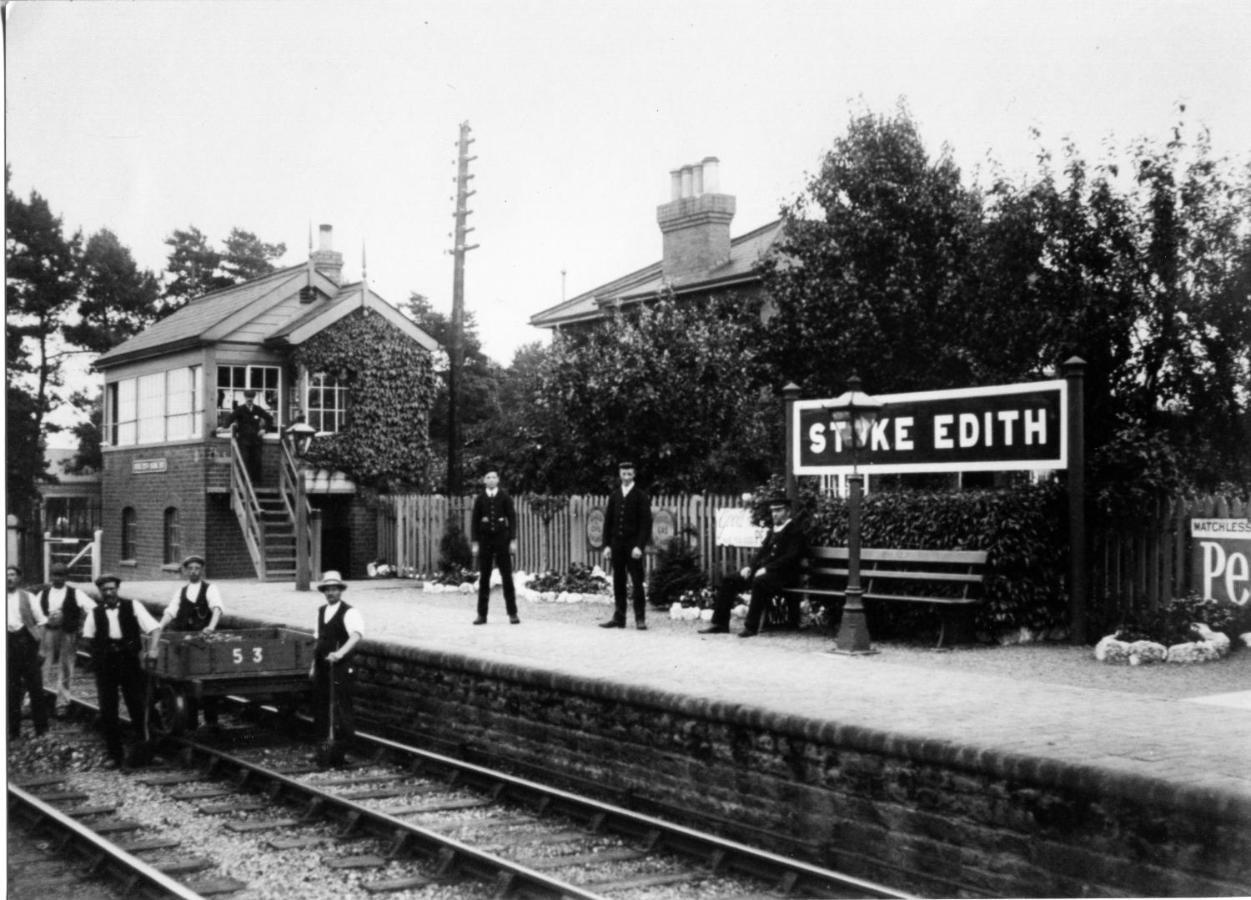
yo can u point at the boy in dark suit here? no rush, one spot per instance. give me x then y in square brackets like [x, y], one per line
[493, 533]
[775, 566]
[627, 531]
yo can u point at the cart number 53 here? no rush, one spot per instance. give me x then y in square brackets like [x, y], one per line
[258, 655]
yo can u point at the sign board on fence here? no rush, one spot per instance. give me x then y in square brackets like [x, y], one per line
[664, 526]
[735, 529]
[1014, 426]
[1221, 559]
[595, 527]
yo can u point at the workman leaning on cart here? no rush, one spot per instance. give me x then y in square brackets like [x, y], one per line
[195, 606]
[339, 628]
[114, 631]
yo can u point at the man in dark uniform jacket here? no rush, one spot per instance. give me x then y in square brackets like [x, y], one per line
[627, 531]
[493, 536]
[248, 424]
[774, 567]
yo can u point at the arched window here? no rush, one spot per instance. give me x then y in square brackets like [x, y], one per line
[130, 548]
[173, 536]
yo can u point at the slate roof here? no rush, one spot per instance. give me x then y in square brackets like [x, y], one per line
[745, 251]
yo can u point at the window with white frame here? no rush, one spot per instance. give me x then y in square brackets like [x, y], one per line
[153, 408]
[232, 381]
[326, 403]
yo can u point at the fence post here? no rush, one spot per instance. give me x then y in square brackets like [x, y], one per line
[97, 550]
[47, 556]
[1079, 576]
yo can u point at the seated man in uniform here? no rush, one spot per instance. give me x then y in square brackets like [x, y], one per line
[775, 566]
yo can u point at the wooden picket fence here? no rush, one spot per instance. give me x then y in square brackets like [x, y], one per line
[411, 526]
[1139, 565]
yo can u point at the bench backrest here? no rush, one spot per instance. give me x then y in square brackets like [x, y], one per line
[932, 576]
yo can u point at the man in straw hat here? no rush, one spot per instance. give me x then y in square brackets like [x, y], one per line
[114, 630]
[195, 606]
[338, 629]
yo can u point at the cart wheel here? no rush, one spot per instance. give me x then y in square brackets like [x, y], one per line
[173, 709]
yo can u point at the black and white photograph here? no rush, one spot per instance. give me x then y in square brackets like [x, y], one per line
[627, 450]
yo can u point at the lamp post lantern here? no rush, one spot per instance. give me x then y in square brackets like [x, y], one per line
[300, 433]
[852, 415]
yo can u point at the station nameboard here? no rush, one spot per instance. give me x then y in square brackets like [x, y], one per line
[1006, 427]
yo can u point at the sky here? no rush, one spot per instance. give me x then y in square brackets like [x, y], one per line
[274, 115]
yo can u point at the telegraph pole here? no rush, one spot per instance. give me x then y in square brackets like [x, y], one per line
[455, 468]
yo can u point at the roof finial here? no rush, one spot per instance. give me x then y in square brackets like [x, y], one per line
[364, 275]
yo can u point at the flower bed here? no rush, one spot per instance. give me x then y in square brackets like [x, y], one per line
[1210, 645]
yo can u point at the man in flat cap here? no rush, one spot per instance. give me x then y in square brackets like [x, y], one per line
[195, 606]
[65, 610]
[775, 566]
[114, 630]
[493, 536]
[26, 624]
[627, 532]
[248, 425]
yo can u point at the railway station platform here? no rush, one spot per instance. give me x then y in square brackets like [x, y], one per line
[942, 781]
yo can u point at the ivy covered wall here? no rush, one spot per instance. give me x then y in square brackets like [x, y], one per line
[391, 388]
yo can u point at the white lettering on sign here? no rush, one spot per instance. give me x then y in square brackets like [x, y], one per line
[816, 437]
[903, 439]
[1231, 567]
[1008, 417]
[942, 423]
[1221, 528]
[1035, 426]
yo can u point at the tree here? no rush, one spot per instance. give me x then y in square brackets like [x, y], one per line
[871, 272]
[246, 256]
[193, 267]
[118, 299]
[40, 288]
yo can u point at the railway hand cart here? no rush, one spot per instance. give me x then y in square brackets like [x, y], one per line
[254, 663]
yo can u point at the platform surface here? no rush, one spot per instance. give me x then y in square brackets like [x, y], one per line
[1200, 741]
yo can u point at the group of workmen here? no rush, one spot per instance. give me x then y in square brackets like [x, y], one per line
[123, 638]
[627, 532]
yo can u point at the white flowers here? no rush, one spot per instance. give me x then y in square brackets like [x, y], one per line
[1211, 645]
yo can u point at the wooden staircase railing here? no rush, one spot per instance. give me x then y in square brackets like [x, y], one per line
[247, 509]
[305, 520]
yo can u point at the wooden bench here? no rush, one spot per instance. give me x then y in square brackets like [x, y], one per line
[952, 580]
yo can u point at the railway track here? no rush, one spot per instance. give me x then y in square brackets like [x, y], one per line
[227, 811]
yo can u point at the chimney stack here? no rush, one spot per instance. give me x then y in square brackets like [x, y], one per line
[695, 222]
[326, 259]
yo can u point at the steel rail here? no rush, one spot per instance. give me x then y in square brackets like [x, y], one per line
[100, 853]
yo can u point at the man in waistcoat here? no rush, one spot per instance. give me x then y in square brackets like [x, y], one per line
[775, 566]
[26, 626]
[493, 539]
[248, 425]
[115, 631]
[195, 606]
[627, 531]
[65, 610]
[338, 629]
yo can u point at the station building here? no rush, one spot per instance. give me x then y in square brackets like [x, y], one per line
[170, 484]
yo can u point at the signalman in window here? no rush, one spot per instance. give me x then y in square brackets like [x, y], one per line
[248, 425]
[627, 531]
[493, 536]
[195, 606]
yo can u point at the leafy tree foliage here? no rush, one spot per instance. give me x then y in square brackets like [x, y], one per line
[246, 256]
[195, 267]
[669, 384]
[391, 381]
[117, 301]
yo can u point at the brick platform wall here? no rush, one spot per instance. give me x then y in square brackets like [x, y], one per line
[923, 816]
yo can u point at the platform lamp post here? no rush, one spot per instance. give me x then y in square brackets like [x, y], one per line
[852, 414]
[301, 435]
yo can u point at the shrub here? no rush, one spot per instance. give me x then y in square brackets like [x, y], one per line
[676, 572]
[1173, 623]
[454, 552]
[580, 579]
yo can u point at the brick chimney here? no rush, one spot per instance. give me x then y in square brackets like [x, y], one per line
[326, 259]
[695, 222]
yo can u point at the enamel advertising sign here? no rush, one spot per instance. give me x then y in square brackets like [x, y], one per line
[1006, 427]
[1221, 559]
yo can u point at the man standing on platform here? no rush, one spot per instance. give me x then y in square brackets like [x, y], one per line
[775, 566]
[248, 426]
[195, 606]
[61, 605]
[627, 531]
[338, 629]
[26, 624]
[115, 630]
[493, 537]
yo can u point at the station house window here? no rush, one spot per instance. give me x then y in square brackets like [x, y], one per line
[232, 381]
[154, 408]
[326, 403]
[173, 536]
[130, 549]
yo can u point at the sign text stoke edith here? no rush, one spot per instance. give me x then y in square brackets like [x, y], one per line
[1010, 427]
